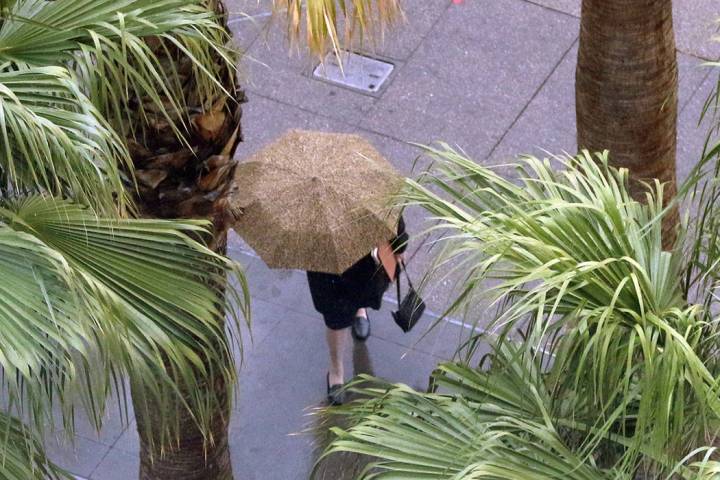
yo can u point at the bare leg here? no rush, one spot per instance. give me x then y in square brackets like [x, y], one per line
[361, 313]
[337, 341]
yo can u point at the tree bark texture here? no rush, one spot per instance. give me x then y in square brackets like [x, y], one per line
[191, 458]
[178, 179]
[627, 92]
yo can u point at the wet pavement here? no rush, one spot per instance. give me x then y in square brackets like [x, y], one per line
[495, 77]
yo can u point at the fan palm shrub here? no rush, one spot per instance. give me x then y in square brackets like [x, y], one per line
[89, 300]
[90, 296]
[605, 356]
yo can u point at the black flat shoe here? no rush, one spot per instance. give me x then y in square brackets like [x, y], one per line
[361, 328]
[335, 393]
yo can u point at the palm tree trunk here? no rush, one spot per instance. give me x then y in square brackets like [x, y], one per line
[191, 457]
[627, 91]
[189, 179]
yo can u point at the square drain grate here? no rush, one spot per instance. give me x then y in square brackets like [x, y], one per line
[358, 71]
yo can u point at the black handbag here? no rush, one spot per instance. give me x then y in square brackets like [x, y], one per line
[410, 308]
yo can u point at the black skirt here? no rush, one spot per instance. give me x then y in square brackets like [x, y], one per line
[338, 297]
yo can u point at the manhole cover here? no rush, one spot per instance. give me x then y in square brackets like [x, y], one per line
[358, 71]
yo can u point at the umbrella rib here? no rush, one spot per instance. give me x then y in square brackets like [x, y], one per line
[322, 192]
[328, 219]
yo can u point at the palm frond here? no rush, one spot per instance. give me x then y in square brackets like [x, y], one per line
[701, 191]
[578, 267]
[55, 141]
[106, 43]
[701, 278]
[488, 425]
[478, 429]
[21, 454]
[89, 299]
[324, 19]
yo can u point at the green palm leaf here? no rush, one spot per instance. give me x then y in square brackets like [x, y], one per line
[481, 430]
[90, 299]
[22, 455]
[37, 31]
[577, 262]
[486, 425]
[105, 43]
[54, 140]
[54, 56]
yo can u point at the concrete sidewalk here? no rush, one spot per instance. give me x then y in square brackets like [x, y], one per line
[495, 77]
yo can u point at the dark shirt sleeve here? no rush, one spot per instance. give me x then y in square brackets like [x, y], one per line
[399, 243]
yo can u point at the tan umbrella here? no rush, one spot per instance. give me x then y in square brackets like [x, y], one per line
[315, 201]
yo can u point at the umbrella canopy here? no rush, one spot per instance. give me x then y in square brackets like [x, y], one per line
[315, 201]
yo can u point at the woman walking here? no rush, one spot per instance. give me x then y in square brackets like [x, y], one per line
[319, 202]
[343, 301]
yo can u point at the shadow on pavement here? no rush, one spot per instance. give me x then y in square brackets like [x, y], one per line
[339, 466]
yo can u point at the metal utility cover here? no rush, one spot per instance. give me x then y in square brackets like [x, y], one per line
[358, 71]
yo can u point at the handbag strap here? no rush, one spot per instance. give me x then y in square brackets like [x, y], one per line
[403, 268]
[407, 276]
